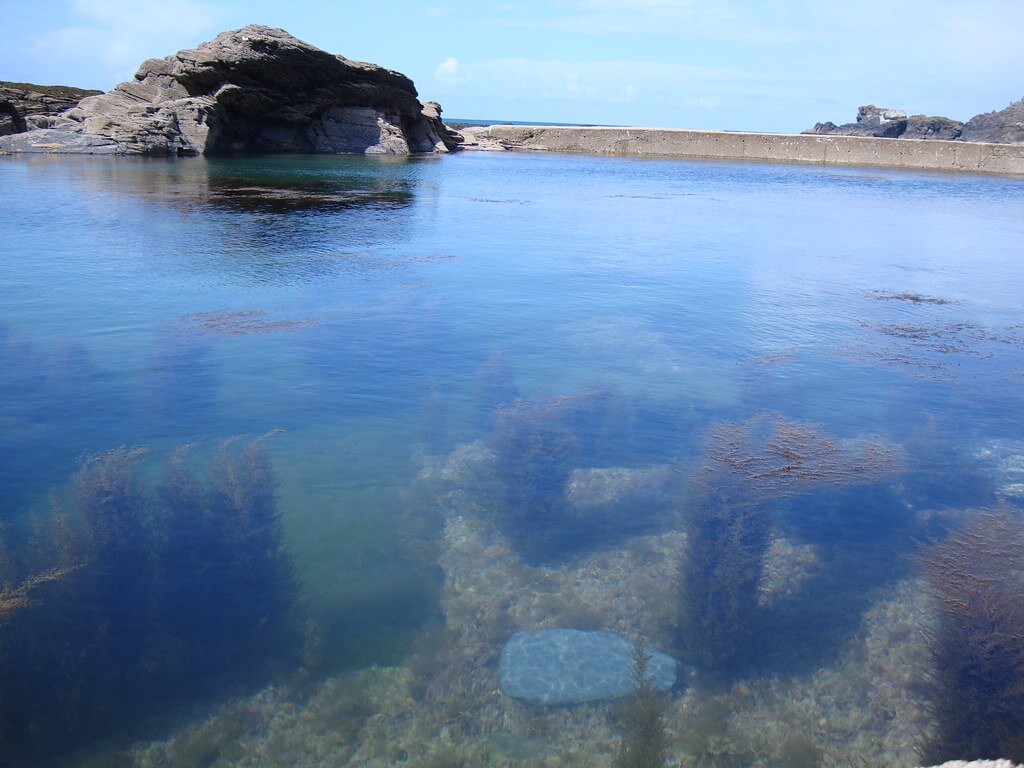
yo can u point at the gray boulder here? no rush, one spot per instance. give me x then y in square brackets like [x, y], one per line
[255, 89]
[568, 666]
[1003, 127]
[22, 103]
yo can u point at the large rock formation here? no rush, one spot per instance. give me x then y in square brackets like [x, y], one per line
[255, 89]
[1003, 127]
[21, 103]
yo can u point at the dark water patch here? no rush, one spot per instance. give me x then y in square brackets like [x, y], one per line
[237, 322]
[664, 196]
[499, 201]
[913, 298]
[238, 195]
[364, 261]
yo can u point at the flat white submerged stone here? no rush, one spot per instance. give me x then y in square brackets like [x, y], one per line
[569, 666]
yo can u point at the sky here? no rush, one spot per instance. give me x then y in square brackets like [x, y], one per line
[764, 65]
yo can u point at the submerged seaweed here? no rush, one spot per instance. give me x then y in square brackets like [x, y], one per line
[642, 720]
[149, 595]
[976, 691]
[535, 449]
[729, 523]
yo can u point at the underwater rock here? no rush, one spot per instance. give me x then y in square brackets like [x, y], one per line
[567, 666]
[645, 496]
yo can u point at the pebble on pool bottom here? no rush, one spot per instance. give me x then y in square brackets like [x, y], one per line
[569, 666]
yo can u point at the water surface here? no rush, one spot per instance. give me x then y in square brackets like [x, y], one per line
[387, 315]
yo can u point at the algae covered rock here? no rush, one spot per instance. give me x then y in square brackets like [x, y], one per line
[569, 666]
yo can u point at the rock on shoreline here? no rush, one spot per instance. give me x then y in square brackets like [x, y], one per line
[22, 103]
[255, 89]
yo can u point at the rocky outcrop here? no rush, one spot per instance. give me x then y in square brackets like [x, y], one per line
[21, 103]
[1003, 127]
[879, 122]
[255, 89]
[932, 127]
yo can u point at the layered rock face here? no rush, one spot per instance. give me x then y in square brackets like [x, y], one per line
[255, 89]
[21, 103]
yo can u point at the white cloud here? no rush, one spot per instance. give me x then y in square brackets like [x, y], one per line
[613, 81]
[115, 36]
[689, 19]
[448, 70]
[623, 92]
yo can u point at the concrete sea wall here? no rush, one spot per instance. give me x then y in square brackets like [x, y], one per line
[720, 145]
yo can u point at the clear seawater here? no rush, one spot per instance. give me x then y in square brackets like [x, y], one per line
[379, 312]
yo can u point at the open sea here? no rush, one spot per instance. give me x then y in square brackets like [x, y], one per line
[291, 447]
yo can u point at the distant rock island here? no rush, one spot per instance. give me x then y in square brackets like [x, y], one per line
[1003, 127]
[255, 89]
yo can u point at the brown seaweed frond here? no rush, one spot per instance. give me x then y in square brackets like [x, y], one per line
[110, 498]
[18, 596]
[775, 457]
[642, 719]
[976, 690]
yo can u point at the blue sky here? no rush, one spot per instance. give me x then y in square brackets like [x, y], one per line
[735, 64]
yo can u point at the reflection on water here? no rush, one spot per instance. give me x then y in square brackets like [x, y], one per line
[755, 417]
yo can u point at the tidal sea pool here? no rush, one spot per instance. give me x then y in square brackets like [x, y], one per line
[290, 447]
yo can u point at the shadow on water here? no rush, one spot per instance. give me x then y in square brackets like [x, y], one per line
[264, 185]
[244, 213]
